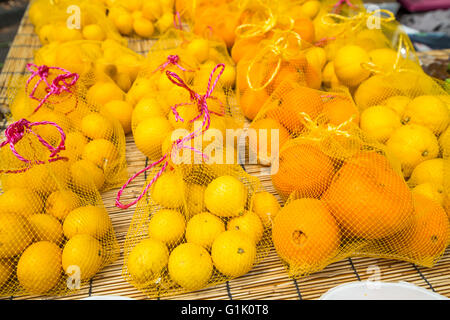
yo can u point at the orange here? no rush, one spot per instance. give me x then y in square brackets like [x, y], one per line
[305, 28]
[303, 168]
[429, 234]
[338, 110]
[242, 46]
[252, 101]
[305, 235]
[368, 198]
[288, 72]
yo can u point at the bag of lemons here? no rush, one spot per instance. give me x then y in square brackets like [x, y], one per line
[55, 234]
[69, 20]
[345, 192]
[197, 222]
[95, 138]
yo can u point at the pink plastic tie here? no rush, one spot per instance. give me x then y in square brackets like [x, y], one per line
[177, 21]
[172, 59]
[337, 6]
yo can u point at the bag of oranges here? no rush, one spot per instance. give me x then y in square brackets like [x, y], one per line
[69, 20]
[55, 234]
[194, 225]
[95, 139]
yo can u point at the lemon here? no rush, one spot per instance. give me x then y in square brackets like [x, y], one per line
[96, 126]
[75, 142]
[310, 9]
[431, 191]
[316, 57]
[164, 83]
[203, 229]
[133, 5]
[151, 10]
[249, 223]
[431, 171]
[444, 142]
[347, 65]
[86, 175]
[428, 111]
[226, 196]
[60, 203]
[167, 226]
[139, 90]
[397, 103]
[46, 33]
[371, 39]
[199, 49]
[123, 81]
[103, 92]
[21, 201]
[373, 91]
[329, 77]
[383, 58]
[144, 109]
[136, 15]
[93, 32]
[150, 134]
[164, 22]
[100, 152]
[147, 260]
[124, 23]
[228, 78]
[90, 220]
[83, 253]
[187, 113]
[175, 95]
[195, 199]
[266, 206]
[143, 27]
[378, 122]
[62, 33]
[39, 267]
[46, 228]
[413, 144]
[190, 266]
[6, 272]
[120, 110]
[233, 253]
[14, 234]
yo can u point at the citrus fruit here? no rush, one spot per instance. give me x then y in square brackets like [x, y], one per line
[203, 229]
[266, 206]
[329, 77]
[339, 110]
[233, 253]
[371, 39]
[151, 10]
[428, 171]
[84, 254]
[86, 175]
[228, 78]
[187, 113]
[120, 110]
[432, 191]
[304, 168]
[373, 91]
[60, 203]
[244, 45]
[143, 27]
[103, 92]
[316, 57]
[6, 272]
[379, 122]
[75, 142]
[305, 235]
[93, 32]
[252, 101]
[310, 8]
[21, 201]
[347, 65]
[164, 22]
[428, 111]
[100, 152]
[226, 196]
[150, 134]
[15, 234]
[195, 194]
[147, 260]
[168, 191]
[413, 144]
[46, 228]
[124, 23]
[368, 198]
[397, 103]
[146, 108]
[167, 226]
[139, 90]
[199, 49]
[250, 223]
[90, 220]
[190, 266]
[305, 28]
[96, 126]
[39, 267]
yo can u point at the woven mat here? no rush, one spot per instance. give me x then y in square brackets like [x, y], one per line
[267, 280]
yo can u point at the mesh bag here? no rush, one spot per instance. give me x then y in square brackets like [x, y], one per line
[345, 192]
[55, 233]
[69, 20]
[95, 140]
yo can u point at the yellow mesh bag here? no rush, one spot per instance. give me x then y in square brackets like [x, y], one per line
[95, 139]
[345, 192]
[69, 20]
[55, 234]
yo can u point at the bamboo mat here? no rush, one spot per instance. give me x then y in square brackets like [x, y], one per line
[267, 280]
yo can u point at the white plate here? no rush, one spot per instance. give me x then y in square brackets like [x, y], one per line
[377, 290]
[107, 298]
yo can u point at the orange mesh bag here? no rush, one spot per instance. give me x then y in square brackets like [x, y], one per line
[194, 225]
[55, 234]
[69, 20]
[95, 139]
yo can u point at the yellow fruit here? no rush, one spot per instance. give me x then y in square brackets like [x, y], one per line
[347, 65]
[413, 144]
[203, 229]
[90, 220]
[374, 91]
[146, 108]
[428, 111]
[39, 267]
[86, 175]
[432, 191]
[147, 260]
[133, 5]
[190, 266]
[371, 39]
[233, 253]
[187, 113]
[226, 196]
[150, 134]
[143, 27]
[266, 206]
[310, 9]
[444, 142]
[167, 226]
[164, 22]
[102, 92]
[383, 58]
[124, 23]
[96, 126]
[199, 49]
[175, 95]
[249, 223]
[14, 234]
[21, 201]
[46, 228]
[329, 77]
[316, 57]
[6, 272]
[60, 203]
[397, 103]
[62, 33]
[195, 194]
[123, 80]
[120, 110]
[168, 190]
[83, 254]
[100, 152]
[75, 143]
[139, 90]
[431, 171]
[378, 122]
[94, 32]
[151, 10]
[228, 78]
